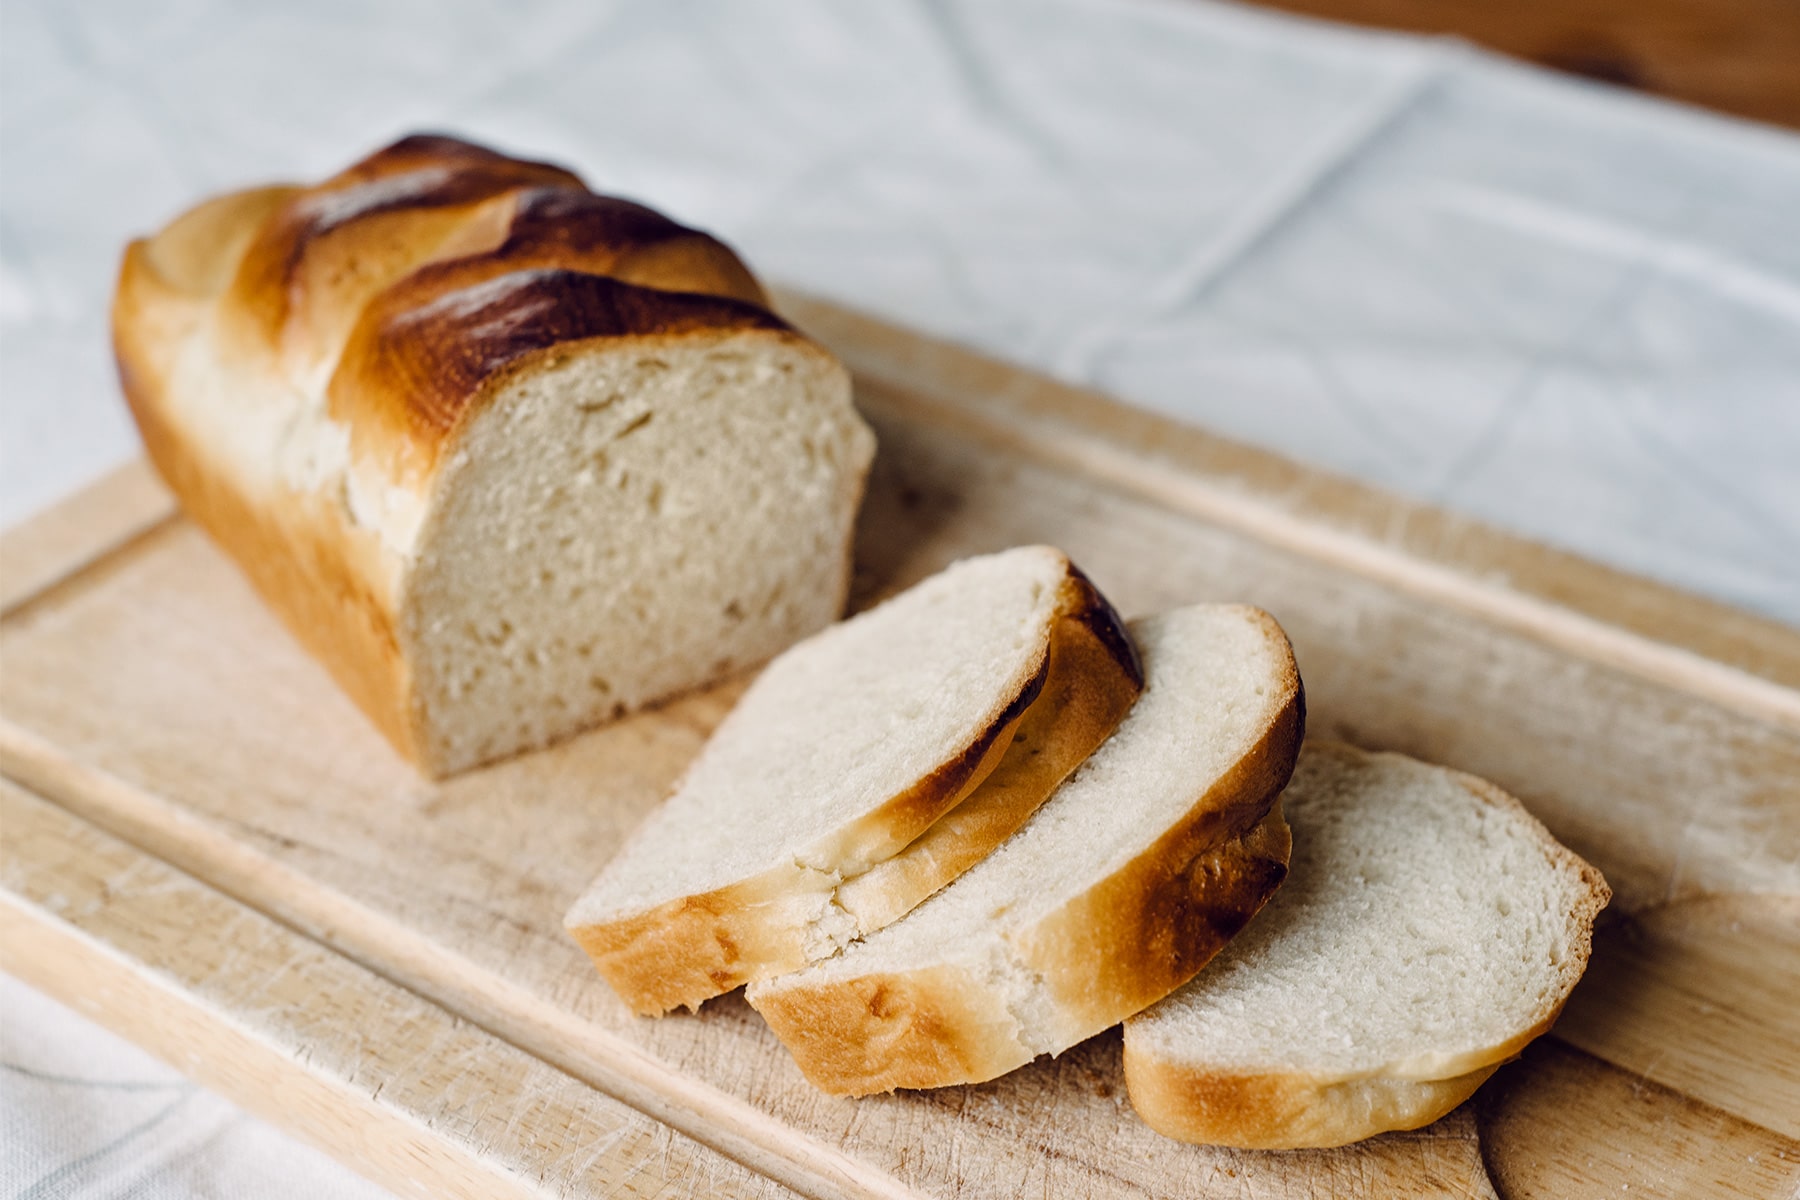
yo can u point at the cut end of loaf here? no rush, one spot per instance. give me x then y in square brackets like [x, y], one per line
[624, 523]
[1429, 930]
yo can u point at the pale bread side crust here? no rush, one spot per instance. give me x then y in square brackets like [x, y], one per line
[325, 581]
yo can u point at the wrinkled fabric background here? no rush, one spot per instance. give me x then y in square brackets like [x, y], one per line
[1569, 311]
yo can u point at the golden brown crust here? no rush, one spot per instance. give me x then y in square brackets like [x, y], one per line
[427, 351]
[325, 252]
[166, 281]
[606, 235]
[690, 949]
[1286, 1112]
[320, 583]
[1092, 677]
[694, 948]
[1091, 616]
[1106, 954]
[328, 248]
[1142, 933]
[1293, 1109]
[323, 582]
[269, 284]
[687, 950]
[941, 1025]
[197, 251]
[1137, 936]
[913, 1029]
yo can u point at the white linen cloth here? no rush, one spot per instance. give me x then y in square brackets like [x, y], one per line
[1570, 311]
[84, 1113]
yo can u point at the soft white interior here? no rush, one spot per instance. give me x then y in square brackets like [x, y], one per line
[1213, 682]
[839, 725]
[624, 523]
[1419, 922]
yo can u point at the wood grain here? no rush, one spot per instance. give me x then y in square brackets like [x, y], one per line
[422, 1102]
[150, 693]
[1680, 993]
[84, 528]
[1559, 1123]
[1586, 609]
[1736, 56]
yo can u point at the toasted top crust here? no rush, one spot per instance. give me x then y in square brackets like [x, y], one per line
[427, 348]
[329, 246]
[404, 286]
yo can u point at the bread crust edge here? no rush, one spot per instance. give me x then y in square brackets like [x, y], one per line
[1092, 676]
[687, 950]
[1091, 952]
[317, 578]
[1283, 1111]
[941, 1025]
[1120, 946]
[1293, 1110]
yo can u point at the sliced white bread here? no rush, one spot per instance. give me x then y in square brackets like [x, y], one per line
[1429, 929]
[1113, 893]
[862, 771]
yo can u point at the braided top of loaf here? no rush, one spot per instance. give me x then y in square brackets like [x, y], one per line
[397, 290]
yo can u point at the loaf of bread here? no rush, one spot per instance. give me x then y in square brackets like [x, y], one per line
[863, 770]
[1428, 930]
[1114, 892]
[508, 457]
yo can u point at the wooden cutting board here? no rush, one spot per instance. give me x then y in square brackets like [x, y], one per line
[207, 848]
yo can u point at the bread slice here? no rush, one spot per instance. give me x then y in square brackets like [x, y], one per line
[508, 457]
[1430, 927]
[1114, 892]
[863, 770]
